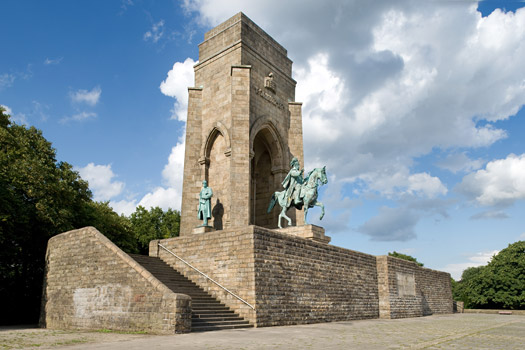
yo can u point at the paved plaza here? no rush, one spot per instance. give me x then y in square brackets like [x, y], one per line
[458, 331]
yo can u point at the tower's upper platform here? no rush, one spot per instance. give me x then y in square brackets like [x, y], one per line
[241, 29]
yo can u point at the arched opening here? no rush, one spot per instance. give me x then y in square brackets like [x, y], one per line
[264, 180]
[218, 177]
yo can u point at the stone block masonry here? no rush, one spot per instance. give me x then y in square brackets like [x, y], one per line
[91, 284]
[292, 280]
[408, 290]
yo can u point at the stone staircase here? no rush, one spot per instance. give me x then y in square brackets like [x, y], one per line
[208, 314]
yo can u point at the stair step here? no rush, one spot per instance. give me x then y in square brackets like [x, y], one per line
[208, 313]
[218, 328]
[218, 323]
[214, 312]
[211, 318]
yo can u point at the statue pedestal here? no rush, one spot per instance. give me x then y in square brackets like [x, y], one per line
[202, 229]
[312, 232]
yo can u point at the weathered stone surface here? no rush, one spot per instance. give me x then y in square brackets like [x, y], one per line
[408, 290]
[293, 280]
[242, 129]
[91, 284]
[313, 232]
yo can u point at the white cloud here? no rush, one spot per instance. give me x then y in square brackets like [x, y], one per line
[6, 80]
[162, 197]
[395, 180]
[124, 207]
[156, 32]
[490, 214]
[501, 183]
[180, 77]
[386, 82]
[460, 162]
[100, 178]
[79, 117]
[475, 260]
[90, 98]
[166, 197]
[19, 118]
[522, 236]
[7, 109]
[49, 61]
[174, 170]
[391, 224]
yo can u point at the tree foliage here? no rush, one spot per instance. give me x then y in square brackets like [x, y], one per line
[41, 197]
[405, 257]
[153, 224]
[498, 285]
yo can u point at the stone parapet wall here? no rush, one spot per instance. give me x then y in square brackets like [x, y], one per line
[303, 281]
[91, 284]
[408, 290]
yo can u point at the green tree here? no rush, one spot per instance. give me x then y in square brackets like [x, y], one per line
[498, 285]
[154, 224]
[115, 227]
[404, 257]
[39, 197]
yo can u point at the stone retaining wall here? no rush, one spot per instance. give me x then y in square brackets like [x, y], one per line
[408, 290]
[91, 284]
[302, 281]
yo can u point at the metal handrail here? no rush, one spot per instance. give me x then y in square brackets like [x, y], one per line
[205, 275]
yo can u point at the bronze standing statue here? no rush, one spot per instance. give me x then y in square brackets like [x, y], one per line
[299, 191]
[204, 207]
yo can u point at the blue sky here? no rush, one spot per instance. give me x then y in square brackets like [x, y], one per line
[415, 107]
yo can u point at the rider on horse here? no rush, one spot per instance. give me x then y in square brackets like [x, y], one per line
[292, 184]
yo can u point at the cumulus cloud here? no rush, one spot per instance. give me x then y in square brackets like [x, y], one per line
[50, 61]
[90, 97]
[101, 183]
[174, 170]
[391, 224]
[179, 78]
[79, 117]
[490, 214]
[7, 109]
[19, 118]
[501, 183]
[459, 162]
[169, 196]
[156, 32]
[474, 260]
[162, 197]
[386, 82]
[6, 80]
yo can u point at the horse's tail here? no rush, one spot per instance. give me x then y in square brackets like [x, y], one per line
[273, 200]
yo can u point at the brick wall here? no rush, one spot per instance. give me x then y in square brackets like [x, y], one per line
[407, 290]
[91, 284]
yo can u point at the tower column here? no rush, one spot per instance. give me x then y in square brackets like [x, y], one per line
[240, 146]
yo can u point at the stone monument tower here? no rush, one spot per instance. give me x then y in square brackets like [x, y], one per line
[243, 127]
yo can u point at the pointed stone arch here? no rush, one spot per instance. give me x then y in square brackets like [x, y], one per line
[267, 169]
[217, 128]
[214, 159]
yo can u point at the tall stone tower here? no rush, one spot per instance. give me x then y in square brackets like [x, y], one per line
[243, 127]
